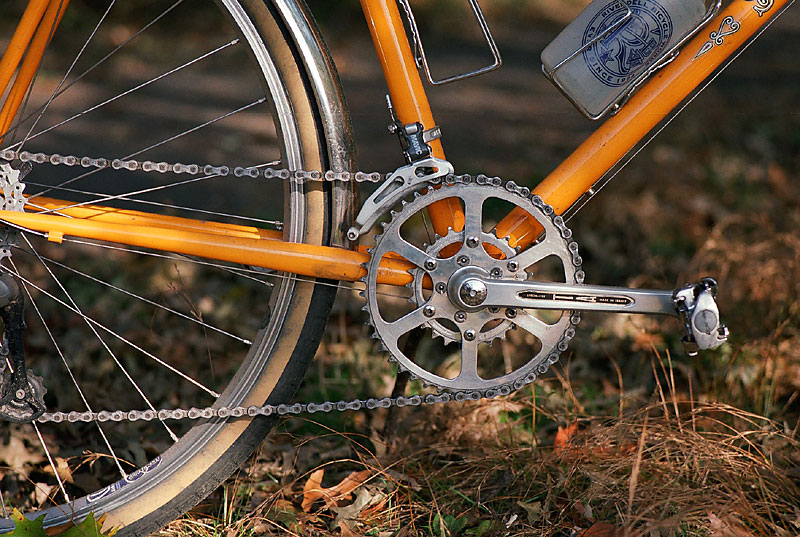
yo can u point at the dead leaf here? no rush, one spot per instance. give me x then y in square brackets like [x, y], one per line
[601, 529]
[726, 528]
[585, 511]
[313, 489]
[346, 531]
[371, 513]
[41, 492]
[403, 479]
[283, 512]
[534, 511]
[563, 438]
[16, 455]
[364, 499]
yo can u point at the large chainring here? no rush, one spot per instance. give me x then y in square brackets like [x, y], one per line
[430, 308]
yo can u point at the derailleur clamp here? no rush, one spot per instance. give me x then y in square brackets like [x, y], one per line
[697, 308]
[400, 183]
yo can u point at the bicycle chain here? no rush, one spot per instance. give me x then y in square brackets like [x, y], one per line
[283, 409]
[190, 169]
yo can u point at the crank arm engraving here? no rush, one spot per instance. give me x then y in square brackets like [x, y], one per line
[401, 183]
[562, 296]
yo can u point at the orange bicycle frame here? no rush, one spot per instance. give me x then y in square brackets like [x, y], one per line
[652, 104]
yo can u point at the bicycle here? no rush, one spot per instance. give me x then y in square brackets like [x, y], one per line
[467, 284]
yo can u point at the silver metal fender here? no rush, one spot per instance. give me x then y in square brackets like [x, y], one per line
[324, 81]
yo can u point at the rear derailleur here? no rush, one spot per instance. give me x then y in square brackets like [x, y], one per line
[21, 392]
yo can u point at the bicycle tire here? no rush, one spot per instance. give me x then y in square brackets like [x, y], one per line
[311, 124]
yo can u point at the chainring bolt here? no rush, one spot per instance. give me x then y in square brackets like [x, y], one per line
[473, 241]
[429, 311]
[513, 266]
[494, 309]
[511, 313]
[496, 272]
[430, 264]
[460, 317]
[441, 288]
[470, 335]
[463, 260]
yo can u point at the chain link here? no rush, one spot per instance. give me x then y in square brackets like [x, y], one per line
[190, 169]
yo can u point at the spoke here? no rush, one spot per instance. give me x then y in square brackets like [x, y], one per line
[469, 361]
[59, 91]
[3, 504]
[110, 197]
[66, 75]
[141, 298]
[52, 464]
[72, 376]
[91, 324]
[536, 253]
[546, 333]
[197, 128]
[131, 90]
[408, 322]
[150, 202]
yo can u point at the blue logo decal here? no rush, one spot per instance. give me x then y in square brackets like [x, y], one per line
[114, 487]
[618, 58]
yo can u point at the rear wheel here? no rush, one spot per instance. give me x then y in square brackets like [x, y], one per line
[118, 328]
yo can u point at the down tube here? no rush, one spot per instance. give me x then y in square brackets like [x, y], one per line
[709, 50]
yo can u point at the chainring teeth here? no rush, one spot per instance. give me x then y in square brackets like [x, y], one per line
[555, 230]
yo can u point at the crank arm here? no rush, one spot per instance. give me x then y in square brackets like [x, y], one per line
[695, 305]
[412, 177]
[561, 296]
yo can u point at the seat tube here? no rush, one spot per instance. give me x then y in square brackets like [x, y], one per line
[407, 92]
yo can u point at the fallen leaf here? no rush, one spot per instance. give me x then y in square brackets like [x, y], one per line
[17, 455]
[346, 531]
[585, 511]
[313, 489]
[373, 511]
[364, 499]
[534, 511]
[563, 438]
[41, 492]
[601, 529]
[726, 528]
[283, 512]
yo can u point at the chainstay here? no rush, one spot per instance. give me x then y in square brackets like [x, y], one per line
[254, 172]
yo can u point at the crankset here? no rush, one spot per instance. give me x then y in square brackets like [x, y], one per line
[471, 286]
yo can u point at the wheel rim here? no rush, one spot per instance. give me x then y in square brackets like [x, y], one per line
[255, 361]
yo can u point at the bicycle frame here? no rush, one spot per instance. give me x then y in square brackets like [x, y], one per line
[712, 48]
